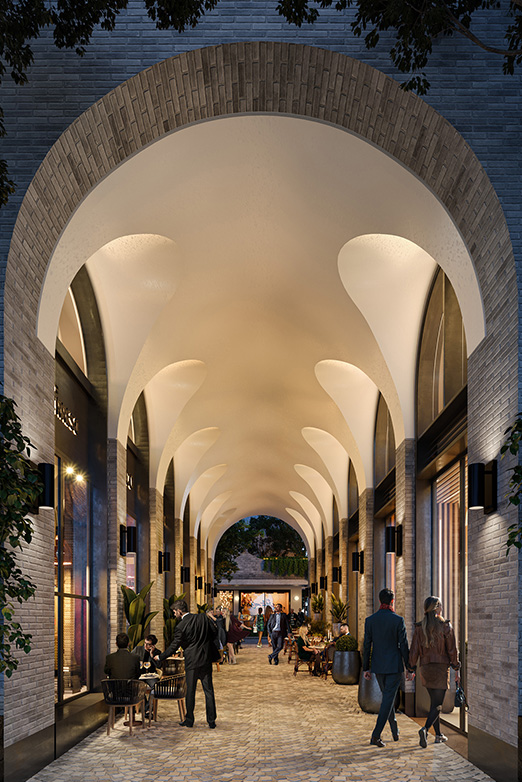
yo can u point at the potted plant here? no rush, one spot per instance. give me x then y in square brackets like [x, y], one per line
[347, 660]
[135, 612]
[169, 620]
[369, 694]
[317, 605]
[339, 613]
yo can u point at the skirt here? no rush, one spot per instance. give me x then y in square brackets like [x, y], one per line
[435, 676]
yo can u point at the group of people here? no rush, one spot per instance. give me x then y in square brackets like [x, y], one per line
[386, 653]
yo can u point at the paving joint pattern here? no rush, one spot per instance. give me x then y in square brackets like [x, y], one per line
[271, 727]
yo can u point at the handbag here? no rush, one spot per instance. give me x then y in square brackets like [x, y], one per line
[460, 698]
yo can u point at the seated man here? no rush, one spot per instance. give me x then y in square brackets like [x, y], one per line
[146, 652]
[122, 664]
[344, 629]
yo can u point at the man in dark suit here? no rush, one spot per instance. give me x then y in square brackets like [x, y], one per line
[147, 651]
[386, 643]
[196, 634]
[122, 664]
[278, 629]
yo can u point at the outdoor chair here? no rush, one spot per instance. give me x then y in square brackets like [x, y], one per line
[292, 652]
[127, 694]
[328, 659]
[172, 688]
[308, 663]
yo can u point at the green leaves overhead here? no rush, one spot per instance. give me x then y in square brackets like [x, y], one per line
[512, 446]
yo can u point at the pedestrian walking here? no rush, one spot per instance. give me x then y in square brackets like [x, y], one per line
[279, 629]
[386, 645]
[434, 646]
[259, 625]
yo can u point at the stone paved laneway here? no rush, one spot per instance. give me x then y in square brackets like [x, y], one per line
[272, 727]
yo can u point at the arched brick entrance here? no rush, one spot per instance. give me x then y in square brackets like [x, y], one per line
[293, 80]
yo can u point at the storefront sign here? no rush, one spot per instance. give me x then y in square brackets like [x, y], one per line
[64, 415]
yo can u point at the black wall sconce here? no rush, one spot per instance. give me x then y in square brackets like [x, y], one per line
[208, 588]
[389, 540]
[314, 588]
[198, 582]
[46, 498]
[163, 562]
[398, 540]
[337, 575]
[482, 486]
[358, 562]
[215, 591]
[160, 562]
[323, 582]
[185, 575]
[128, 540]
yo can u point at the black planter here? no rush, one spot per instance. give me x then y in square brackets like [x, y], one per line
[370, 695]
[346, 667]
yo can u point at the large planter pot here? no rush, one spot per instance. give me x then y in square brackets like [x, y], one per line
[346, 667]
[370, 695]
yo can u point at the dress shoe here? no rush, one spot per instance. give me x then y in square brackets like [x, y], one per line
[395, 736]
[276, 662]
[377, 742]
[423, 738]
[440, 738]
[212, 725]
[186, 724]
[269, 659]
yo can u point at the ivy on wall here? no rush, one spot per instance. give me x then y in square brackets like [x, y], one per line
[286, 566]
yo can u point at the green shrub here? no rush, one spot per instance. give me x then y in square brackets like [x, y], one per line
[346, 643]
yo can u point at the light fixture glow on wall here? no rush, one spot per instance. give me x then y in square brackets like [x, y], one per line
[482, 486]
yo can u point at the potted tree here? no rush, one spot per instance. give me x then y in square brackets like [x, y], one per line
[317, 605]
[339, 613]
[347, 661]
[136, 613]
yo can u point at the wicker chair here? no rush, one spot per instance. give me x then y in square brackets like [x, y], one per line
[328, 659]
[124, 693]
[169, 688]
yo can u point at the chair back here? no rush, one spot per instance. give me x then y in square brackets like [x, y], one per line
[171, 687]
[329, 653]
[173, 666]
[123, 692]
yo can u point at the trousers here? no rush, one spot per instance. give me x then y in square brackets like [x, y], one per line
[389, 684]
[278, 640]
[204, 674]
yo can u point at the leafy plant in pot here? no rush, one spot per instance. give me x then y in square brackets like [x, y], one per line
[317, 604]
[135, 612]
[347, 660]
[339, 613]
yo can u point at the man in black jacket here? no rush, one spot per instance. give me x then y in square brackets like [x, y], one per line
[122, 664]
[196, 634]
[386, 643]
[278, 629]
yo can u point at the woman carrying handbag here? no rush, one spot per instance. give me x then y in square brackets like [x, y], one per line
[434, 646]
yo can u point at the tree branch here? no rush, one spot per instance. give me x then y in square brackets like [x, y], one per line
[463, 30]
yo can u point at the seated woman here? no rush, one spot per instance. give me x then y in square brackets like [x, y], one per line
[307, 653]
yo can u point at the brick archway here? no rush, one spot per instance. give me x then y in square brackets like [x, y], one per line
[289, 79]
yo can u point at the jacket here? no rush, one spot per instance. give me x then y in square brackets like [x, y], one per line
[284, 624]
[122, 665]
[444, 649]
[385, 642]
[196, 635]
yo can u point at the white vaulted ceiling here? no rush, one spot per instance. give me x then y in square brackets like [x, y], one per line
[261, 278]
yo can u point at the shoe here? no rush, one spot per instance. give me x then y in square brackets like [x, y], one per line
[186, 724]
[377, 743]
[212, 725]
[276, 662]
[440, 738]
[269, 659]
[423, 738]
[395, 736]
[259, 646]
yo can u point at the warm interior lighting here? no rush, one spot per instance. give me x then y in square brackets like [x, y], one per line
[79, 478]
[69, 470]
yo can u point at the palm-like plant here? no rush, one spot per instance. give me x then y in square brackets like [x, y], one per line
[135, 612]
[317, 603]
[339, 610]
[169, 620]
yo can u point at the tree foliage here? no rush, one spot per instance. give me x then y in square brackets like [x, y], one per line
[413, 24]
[20, 486]
[512, 446]
[262, 536]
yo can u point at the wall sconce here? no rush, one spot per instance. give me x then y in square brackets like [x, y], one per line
[337, 575]
[482, 486]
[160, 562]
[46, 498]
[215, 591]
[208, 588]
[389, 540]
[358, 562]
[323, 582]
[185, 575]
[128, 540]
[198, 582]
[163, 562]
[398, 540]
[314, 588]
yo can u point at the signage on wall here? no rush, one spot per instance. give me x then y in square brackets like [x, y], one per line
[64, 415]
[130, 482]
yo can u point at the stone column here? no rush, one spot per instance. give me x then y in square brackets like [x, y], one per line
[405, 565]
[177, 556]
[365, 545]
[343, 560]
[117, 514]
[328, 572]
[193, 569]
[157, 591]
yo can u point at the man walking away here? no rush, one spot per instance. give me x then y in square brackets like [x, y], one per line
[386, 643]
[278, 629]
[196, 634]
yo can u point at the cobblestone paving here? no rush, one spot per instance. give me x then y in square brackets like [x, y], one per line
[272, 727]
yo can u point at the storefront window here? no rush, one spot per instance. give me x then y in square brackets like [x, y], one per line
[72, 576]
